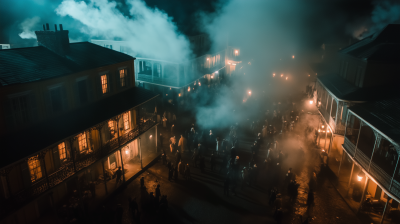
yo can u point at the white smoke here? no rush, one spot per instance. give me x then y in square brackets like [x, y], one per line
[150, 32]
[28, 27]
[385, 12]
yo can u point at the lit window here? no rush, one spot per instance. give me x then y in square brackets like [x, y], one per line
[82, 142]
[61, 151]
[111, 126]
[126, 120]
[236, 53]
[122, 77]
[104, 84]
[35, 169]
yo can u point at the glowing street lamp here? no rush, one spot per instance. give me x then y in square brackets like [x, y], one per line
[189, 89]
[249, 92]
[322, 126]
[292, 56]
[208, 59]
[273, 75]
[360, 176]
[216, 72]
[286, 78]
[236, 51]
[281, 75]
[126, 152]
[311, 102]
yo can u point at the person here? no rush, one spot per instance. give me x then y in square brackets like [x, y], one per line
[158, 195]
[272, 196]
[151, 200]
[182, 144]
[133, 207]
[178, 156]
[119, 174]
[161, 140]
[164, 158]
[187, 172]
[218, 147]
[264, 131]
[278, 202]
[226, 186]
[195, 157]
[244, 177]
[202, 164]
[213, 161]
[172, 147]
[172, 129]
[289, 177]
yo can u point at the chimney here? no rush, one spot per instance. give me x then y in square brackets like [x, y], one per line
[56, 41]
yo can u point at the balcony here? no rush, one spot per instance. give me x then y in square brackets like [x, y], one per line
[380, 175]
[349, 146]
[174, 82]
[362, 159]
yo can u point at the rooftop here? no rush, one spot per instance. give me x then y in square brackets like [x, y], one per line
[53, 130]
[384, 115]
[381, 46]
[343, 90]
[23, 65]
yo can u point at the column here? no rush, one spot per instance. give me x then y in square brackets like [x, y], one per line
[351, 174]
[41, 156]
[104, 175]
[122, 164]
[71, 141]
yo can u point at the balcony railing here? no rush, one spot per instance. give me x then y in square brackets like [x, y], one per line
[349, 146]
[67, 169]
[395, 189]
[380, 175]
[362, 159]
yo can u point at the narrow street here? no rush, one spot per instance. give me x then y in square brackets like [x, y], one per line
[202, 200]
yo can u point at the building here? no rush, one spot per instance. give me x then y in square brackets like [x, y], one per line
[370, 162]
[176, 81]
[366, 71]
[70, 117]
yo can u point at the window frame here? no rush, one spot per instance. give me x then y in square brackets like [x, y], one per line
[35, 169]
[107, 83]
[82, 139]
[125, 118]
[123, 81]
[62, 151]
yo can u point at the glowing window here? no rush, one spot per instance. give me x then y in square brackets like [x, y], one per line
[104, 83]
[122, 77]
[236, 53]
[61, 151]
[82, 142]
[126, 120]
[111, 126]
[35, 169]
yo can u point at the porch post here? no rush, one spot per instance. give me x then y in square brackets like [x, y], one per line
[140, 148]
[122, 164]
[377, 140]
[41, 157]
[104, 176]
[394, 173]
[358, 138]
[351, 174]
[384, 210]
[363, 194]
[71, 140]
[340, 164]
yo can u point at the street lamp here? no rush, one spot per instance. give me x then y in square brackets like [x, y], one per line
[311, 102]
[360, 176]
[249, 92]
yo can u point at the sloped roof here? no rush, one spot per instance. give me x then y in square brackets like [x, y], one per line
[384, 115]
[73, 122]
[381, 46]
[23, 65]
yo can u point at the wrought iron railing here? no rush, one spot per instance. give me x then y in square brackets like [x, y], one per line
[362, 159]
[67, 169]
[395, 188]
[380, 175]
[349, 146]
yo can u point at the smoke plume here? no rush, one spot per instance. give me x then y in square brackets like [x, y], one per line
[28, 28]
[148, 32]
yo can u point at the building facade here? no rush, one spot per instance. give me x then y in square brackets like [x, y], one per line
[71, 116]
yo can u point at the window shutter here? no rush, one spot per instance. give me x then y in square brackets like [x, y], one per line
[98, 86]
[8, 114]
[26, 175]
[64, 97]
[110, 82]
[56, 158]
[76, 95]
[128, 77]
[118, 81]
[67, 149]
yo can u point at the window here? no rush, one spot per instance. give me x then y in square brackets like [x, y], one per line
[82, 142]
[104, 84]
[236, 52]
[20, 111]
[122, 77]
[82, 91]
[35, 169]
[61, 151]
[126, 120]
[111, 126]
[56, 100]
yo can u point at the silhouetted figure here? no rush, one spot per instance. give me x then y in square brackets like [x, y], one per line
[119, 175]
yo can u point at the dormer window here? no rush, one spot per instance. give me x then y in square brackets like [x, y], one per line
[104, 84]
[122, 77]
[82, 142]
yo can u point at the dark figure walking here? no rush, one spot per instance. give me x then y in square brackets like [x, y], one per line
[176, 173]
[164, 158]
[170, 173]
[187, 172]
[272, 197]
[119, 174]
[226, 186]
[158, 195]
[213, 162]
